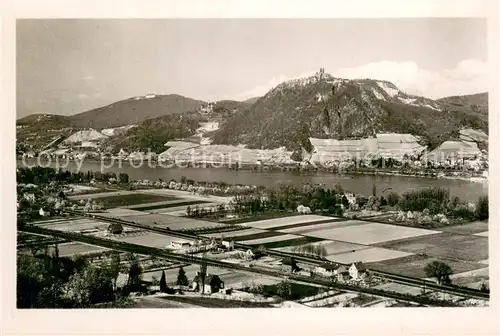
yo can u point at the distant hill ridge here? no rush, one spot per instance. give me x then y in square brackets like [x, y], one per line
[320, 106]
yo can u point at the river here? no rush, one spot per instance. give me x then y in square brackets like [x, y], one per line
[361, 184]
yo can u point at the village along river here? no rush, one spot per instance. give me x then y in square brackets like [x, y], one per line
[361, 184]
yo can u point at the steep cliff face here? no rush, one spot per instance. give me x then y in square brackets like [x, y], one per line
[328, 107]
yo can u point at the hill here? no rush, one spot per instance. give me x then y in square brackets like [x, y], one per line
[135, 110]
[251, 101]
[326, 107]
[475, 102]
[153, 133]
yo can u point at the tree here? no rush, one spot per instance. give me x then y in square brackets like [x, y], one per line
[182, 279]
[188, 211]
[440, 271]
[163, 282]
[114, 266]
[134, 273]
[284, 289]
[345, 201]
[123, 178]
[88, 287]
[203, 275]
[482, 208]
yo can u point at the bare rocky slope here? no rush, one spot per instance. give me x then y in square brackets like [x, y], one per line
[326, 107]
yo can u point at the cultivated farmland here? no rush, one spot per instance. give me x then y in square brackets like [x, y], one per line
[367, 255]
[370, 233]
[469, 228]
[130, 199]
[277, 222]
[445, 245]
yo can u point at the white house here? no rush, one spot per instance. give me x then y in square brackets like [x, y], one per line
[43, 213]
[228, 244]
[180, 244]
[357, 271]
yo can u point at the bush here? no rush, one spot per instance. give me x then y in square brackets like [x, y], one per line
[115, 228]
[393, 199]
[482, 208]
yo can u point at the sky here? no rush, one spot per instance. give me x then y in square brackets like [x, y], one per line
[68, 66]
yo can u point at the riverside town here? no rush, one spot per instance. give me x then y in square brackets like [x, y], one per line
[153, 183]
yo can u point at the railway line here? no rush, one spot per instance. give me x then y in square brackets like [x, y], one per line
[422, 283]
[191, 259]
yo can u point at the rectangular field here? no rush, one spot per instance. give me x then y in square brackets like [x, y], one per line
[413, 265]
[369, 233]
[71, 249]
[277, 222]
[158, 208]
[172, 222]
[205, 205]
[269, 239]
[149, 239]
[304, 229]
[367, 255]
[256, 236]
[121, 212]
[469, 228]
[445, 245]
[130, 199]
[235, 234]
[76, 225]
[332, 247]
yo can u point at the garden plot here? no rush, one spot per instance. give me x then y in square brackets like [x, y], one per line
[445, 245]
[369, 233]
[332, 247]
[469, 228]
[304, 230]
[372, 254]
[270, 239]
[277, 222]
[71, 249]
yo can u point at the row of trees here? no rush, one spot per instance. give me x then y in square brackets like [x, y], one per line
[44, 175]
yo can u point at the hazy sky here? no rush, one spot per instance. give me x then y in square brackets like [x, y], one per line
[70, 66]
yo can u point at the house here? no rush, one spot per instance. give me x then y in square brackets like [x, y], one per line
[213, 284]
[180, 244]
[228, 244]
[327, 268]
[43, 213]
[342, 273]
[357, 271]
